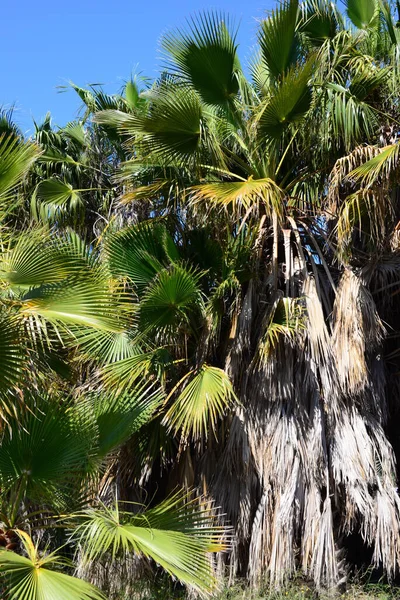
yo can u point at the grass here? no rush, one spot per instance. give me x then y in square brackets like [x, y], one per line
[297, 590]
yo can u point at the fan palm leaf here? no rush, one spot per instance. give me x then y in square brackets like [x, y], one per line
[362, 12]
[277, 38]
[205, 398]
[205, 56]
[32, 577]
[175, 535]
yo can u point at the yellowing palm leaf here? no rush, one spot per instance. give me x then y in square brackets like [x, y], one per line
[205, 398]
[251, 192]
[30, 578]
[380, 165]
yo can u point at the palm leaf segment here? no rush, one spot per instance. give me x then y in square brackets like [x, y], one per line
[246, 194]
[288, 104]
[170, 128]
[32, 577]
[16, 157]
[206, 58]
[206, 397]
[175, 535]
[277, 38]
[53, 198]
[362, 12]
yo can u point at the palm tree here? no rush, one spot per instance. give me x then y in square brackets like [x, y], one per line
[63, 316]
[230, 327]
[267, 319]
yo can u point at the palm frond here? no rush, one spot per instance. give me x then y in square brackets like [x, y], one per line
[172, 127]
[171, 298]
[381, 165]
[205, 56]
[287, 105]
[277, 38]
[245, 194]
[175, 535]
[16, 157]
[45, 454]
[320, 20]
[31, 577]
[205, 398]
[118, 416]
[53, 198]
[362, 12]
[140, 252]
[13, 356]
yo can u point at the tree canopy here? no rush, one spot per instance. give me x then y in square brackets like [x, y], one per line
[199, 361]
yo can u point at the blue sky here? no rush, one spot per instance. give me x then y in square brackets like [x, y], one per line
[46, 43]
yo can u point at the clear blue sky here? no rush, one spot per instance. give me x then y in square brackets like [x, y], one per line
[46, 43]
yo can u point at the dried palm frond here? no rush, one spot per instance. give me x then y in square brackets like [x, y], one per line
[357, 326]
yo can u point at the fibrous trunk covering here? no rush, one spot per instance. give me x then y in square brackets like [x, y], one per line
[307, 460]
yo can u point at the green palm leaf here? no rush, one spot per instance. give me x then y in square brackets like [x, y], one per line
[351, 118]
[53, 197]
[16, 157]
[123, 374]
[366, 81]
[205, 57]
[288, 104]
[380, 165]
[207, 396]
[176, 536]
[75, 303]
[31, 578]
[44, 454]
[171, 298]
[171, 128]
[118, 416]
[320, 20]
[362, 12]
[277, 38]
[37, 258]
[140, 252]
[12, 352]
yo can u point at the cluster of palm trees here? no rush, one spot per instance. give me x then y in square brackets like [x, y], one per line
[199, 283]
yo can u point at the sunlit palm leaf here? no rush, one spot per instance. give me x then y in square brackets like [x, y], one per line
[176, 536]
[16, 157]
[118, 416]
[77, 303]
[380, 165]
[53, 197]
[140, 252]
[246, 194]
[205, 56]
[350, 117]
[124, 374]
[203, 400]
[285, 321]
[171, 129]
[362, 12]
[38, 259]
[31, 578]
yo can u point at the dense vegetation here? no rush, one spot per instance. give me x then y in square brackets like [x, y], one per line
[199, 361]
